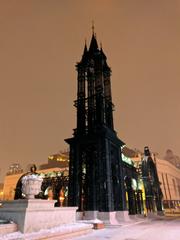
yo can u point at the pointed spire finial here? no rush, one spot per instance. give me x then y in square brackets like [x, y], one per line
[93, 45]
[93, 27]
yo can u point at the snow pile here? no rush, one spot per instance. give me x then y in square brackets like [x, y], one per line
[63, 229]
[96, 220]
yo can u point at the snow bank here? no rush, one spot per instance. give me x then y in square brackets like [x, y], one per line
[66, 228]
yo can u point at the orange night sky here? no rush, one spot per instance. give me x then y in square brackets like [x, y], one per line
[40, 43]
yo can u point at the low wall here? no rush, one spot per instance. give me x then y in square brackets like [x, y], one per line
[36, 214]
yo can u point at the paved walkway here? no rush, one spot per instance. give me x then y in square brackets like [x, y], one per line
[167, 228]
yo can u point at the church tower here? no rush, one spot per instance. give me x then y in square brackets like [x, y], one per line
[151, 182]
[95, 172]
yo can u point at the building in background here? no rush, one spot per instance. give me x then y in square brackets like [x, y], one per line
[1, 191]
[172, 158]
[59, 160]
[169, 176]
[14, 168]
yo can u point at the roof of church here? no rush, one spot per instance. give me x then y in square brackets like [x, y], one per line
[93, 51]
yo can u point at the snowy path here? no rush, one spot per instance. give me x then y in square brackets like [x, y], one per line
[167, 229]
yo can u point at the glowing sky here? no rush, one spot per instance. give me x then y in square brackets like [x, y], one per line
[40, 43]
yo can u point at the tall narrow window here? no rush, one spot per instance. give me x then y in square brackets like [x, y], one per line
[174, 186]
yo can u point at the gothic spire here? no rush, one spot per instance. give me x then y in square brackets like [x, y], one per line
[93, 27]
[85, 52]
[93, 45]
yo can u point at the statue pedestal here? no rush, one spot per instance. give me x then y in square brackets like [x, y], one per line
[32, 215]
